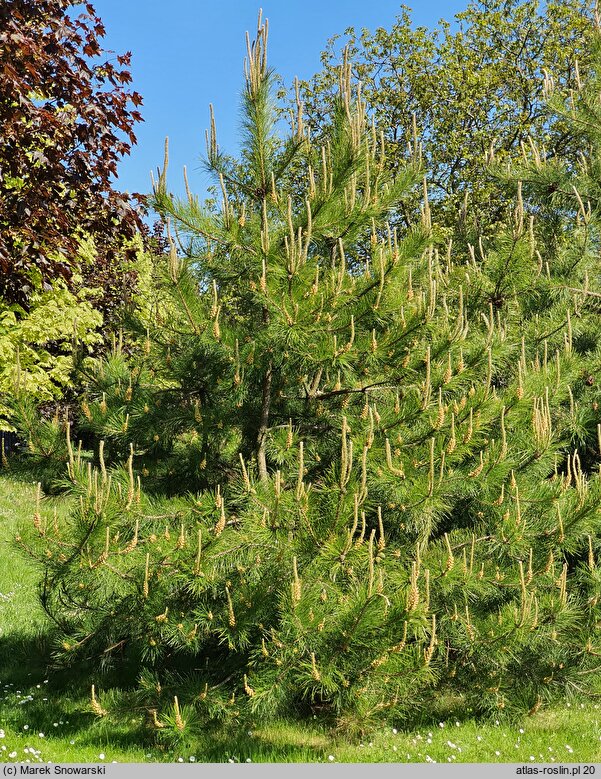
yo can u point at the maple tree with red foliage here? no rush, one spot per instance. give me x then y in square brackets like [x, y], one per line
[66, 118]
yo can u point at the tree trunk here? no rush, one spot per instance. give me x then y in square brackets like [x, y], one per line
[264, 424]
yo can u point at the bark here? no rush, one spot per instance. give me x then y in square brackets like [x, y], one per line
[264, 424]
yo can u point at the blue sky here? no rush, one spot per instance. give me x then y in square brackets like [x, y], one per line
[189, 53]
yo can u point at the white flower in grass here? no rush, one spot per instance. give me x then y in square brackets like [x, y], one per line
[41, 735]
[521, 730]
[532, 757]
[192, 759]
[13, 754]
[180, 759]
[248, 760]
[497, 753]
[25, 727]
[569, 748]
[331, 758]
[101, 756]
[394, 731]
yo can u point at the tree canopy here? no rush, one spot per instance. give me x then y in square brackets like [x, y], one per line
[67, 117]
[463, 91]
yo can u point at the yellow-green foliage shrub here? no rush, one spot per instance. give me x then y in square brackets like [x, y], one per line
[36, 346]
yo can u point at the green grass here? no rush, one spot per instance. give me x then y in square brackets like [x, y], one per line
[45, 715]
[20, 612]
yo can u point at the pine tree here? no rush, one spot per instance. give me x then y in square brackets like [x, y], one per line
[397, 445]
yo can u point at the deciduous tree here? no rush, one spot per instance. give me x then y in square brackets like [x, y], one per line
[461, 91]
[66, 118]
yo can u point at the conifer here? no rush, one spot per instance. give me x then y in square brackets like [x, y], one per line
[397, 444]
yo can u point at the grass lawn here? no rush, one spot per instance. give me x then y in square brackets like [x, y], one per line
[46, 716]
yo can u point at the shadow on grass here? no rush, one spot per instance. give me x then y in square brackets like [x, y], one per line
[37, 697]
[35, 694]
[24, 658]
[282, 742]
